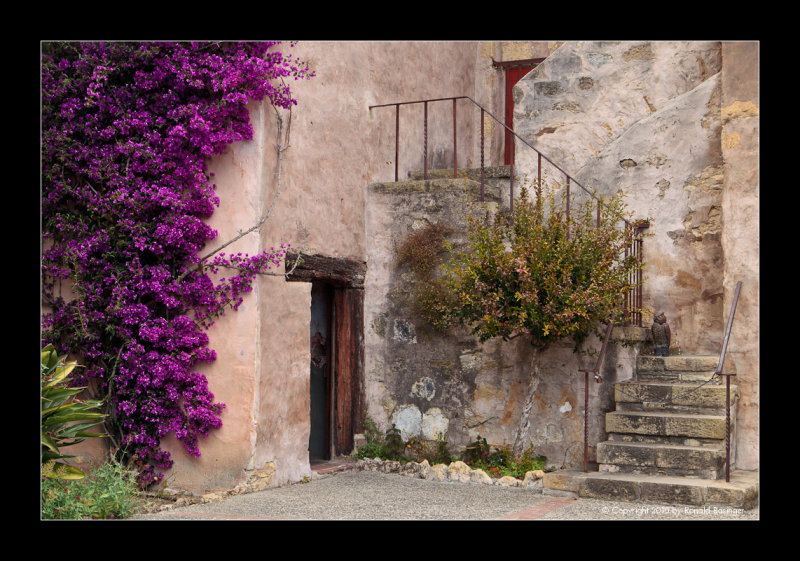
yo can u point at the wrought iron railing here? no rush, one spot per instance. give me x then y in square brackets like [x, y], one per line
[719, 372]
[632, 301]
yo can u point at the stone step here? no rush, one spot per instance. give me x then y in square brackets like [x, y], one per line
[662, 459]
[678, 368]
[664, 423]
[741, 492]
[679, 396]
[490, 172]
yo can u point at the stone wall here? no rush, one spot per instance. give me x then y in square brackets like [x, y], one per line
[674, 125]
[740, 227]
[642, 118]
[429, 382]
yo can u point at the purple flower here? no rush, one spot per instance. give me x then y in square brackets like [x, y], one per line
[126, 132]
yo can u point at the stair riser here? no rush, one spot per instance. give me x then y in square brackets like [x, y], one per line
[674, 394]
[676, 364]
[686, 426]
[672, 493]
[659, 456]
[654, 459]
[741, 492]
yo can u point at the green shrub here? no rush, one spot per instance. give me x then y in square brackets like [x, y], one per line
[501, 461]
[434, 451]
[386, 446]
[108, 492]
[538, 273]
[391, 446]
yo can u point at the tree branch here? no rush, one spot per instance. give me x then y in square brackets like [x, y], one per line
[281, 148]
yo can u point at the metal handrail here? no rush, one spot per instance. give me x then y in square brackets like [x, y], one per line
[596, 371]
[570, 180]
[632, 300]
[719, 372]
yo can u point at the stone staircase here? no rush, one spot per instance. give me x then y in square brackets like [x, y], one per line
[666, 440]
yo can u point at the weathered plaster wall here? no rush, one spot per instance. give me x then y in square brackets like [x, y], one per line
[337, 146]
[740, 228]
[427, 382]
[643, 118]
[675, 126]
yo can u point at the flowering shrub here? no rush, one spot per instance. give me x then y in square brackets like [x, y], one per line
[127, 129]
[541, 274]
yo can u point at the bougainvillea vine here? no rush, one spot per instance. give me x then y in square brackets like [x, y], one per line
[127, 130]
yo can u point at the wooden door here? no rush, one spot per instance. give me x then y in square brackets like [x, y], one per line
[348, 367]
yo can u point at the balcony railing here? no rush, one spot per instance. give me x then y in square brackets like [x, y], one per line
[632, 301]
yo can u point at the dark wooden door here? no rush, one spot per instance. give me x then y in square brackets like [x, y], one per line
[338, 284]
[348, 366]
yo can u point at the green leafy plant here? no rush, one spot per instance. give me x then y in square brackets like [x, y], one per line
[65, 419]
[385, 446]
[539, 272]
[502, 461]
[422, 251]
[434, 451]
[394, 447]
[108, 492]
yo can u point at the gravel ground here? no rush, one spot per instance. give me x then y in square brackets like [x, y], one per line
[352, 495]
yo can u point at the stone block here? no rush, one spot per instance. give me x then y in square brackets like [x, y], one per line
[624, 453]
[689, 458]
[613, 489]
[672, 492]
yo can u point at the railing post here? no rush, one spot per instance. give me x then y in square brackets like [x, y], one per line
[586, 421]
[425, 143]
[396, 137]
[728, 382]
[568, 207]
[511, 186]
[482, 172]
[455, 143]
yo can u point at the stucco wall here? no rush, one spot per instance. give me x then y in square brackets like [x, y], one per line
[337, 146]
[740, 227]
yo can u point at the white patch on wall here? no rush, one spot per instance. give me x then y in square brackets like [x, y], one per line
[408, 420]
[434, 423]
[566, 407]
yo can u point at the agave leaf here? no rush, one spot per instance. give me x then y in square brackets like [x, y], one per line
[61, 374]
[79, 429]
[62, 444]
[55, 397]
[65, 417]
[49, 442]
[60, 470]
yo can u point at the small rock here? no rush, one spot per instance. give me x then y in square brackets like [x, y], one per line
[480, 476]
[508, 481]
[459, 471]
[438, 472]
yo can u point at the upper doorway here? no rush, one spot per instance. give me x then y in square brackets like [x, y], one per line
[514, 71]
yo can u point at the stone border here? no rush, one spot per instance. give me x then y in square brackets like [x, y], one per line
[258, 480]
[457, 472]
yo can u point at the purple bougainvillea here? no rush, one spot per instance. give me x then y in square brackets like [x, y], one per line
[127, 130]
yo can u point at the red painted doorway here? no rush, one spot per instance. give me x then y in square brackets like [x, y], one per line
[514, 71]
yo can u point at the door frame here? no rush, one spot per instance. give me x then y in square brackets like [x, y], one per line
[346, 277]
[513, 72]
